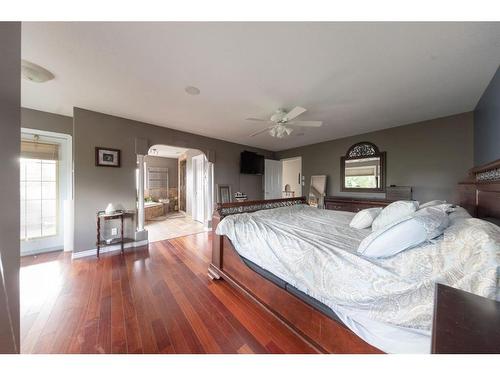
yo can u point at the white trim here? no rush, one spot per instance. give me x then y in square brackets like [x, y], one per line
[107, 249]
[65, 192]
[41, 251]
[140, 192]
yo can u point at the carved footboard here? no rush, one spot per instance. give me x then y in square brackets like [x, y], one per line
[323, 333]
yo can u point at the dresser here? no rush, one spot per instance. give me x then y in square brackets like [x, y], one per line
[354, 204]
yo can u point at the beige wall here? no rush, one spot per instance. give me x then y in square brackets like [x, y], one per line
[432, 156]
[10, 120]
[33, 119]
[95, 187]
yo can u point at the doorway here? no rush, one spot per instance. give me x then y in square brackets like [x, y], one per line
[176, 192]
[292, 177]
[283, 178]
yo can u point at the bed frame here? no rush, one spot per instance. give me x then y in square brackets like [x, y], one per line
[321, 332]
[479, 194]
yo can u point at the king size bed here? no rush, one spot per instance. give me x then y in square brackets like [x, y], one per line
[313, 270]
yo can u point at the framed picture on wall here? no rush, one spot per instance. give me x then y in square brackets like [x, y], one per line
[107, 157]
[223, 193]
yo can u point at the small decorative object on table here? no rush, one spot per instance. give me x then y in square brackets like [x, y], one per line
[103, 216]
[107, 157]
[240, 197]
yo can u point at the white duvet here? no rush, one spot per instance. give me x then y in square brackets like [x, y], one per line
[388, 302]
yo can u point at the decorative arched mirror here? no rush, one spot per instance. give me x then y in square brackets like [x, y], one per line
[362, 169]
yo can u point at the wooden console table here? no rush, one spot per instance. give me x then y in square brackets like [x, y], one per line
[103, 217]
[464, 323]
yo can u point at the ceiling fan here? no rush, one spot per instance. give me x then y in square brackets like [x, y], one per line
[281, 122]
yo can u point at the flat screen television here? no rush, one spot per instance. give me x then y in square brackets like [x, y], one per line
[251, 163]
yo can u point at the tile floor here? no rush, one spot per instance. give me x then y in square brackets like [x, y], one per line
[173, 225]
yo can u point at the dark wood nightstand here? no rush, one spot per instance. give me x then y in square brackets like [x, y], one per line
[464, 323]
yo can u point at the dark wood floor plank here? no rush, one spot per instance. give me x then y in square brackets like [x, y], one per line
[153, 299]
[229, 325]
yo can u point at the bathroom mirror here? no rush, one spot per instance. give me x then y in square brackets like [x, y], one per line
[363, 169]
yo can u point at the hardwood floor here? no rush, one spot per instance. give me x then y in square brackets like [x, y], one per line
[151, 300]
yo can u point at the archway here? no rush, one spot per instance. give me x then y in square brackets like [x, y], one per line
[175, 190]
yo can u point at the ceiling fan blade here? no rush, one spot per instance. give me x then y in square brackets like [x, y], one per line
[261, 131]
[306, 124]
[294, 113]
[256, 119]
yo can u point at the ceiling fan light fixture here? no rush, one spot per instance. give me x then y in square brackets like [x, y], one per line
[35, 73]
[192, 90]
[280, 131]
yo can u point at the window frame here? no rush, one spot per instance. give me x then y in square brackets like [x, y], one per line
[56, 199]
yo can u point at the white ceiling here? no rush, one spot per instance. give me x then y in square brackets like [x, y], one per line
[355, 77]
[167, 151]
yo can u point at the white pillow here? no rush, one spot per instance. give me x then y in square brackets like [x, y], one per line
[432, 203]
[364, 218]
[405, 233]
[393, 239]
[458, 213]
[393, 213]
[434, 219]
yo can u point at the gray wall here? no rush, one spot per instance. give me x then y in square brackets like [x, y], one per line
[487, 124]
[33, 119]
[170, 163]
[432, 156]
[10, 120]
[95, 187]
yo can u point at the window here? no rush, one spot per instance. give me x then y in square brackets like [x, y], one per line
[39, 191]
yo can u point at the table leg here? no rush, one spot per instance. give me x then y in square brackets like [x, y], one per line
[123, 250]
[98, 234]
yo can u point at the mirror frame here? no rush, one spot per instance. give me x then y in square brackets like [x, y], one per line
[363, 150]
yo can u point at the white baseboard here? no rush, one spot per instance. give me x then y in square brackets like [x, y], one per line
[41, 251]
[107, 249]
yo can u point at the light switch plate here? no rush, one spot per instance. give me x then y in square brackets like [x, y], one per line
[114, 231]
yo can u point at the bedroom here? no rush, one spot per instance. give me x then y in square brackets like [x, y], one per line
[388, 216]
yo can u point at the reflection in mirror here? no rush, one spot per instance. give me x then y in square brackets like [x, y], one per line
[362, 173]
[363, 168]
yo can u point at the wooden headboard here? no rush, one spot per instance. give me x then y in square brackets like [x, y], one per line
[480, 193]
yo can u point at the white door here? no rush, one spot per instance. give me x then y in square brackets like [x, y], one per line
[199, 188]
[273, 170]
